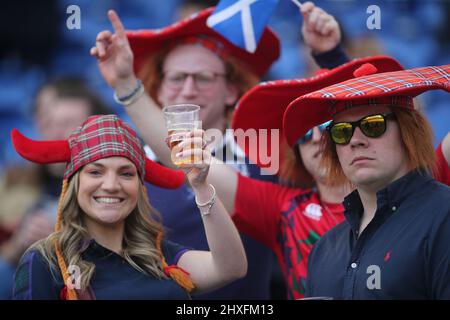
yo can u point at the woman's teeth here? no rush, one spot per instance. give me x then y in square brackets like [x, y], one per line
[108, 200]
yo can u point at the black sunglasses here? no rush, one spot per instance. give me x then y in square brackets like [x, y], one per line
[372, 126]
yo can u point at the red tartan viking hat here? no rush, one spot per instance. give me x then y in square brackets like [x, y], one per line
[97, 138]
[390, 88]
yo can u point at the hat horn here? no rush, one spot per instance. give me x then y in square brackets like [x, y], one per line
[159, 175]
[46, 152]
[43, 152]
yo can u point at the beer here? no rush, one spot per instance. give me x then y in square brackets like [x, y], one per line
[175, 136]
[180, 120]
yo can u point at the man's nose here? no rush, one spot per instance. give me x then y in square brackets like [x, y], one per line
[358, 138]
[189, 87]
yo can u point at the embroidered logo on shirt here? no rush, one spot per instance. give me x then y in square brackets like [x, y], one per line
[313, 211]
[387, 256]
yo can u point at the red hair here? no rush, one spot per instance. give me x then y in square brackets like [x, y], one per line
[237, 73]
[292, 170]
[413, 127]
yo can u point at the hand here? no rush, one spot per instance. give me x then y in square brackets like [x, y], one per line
[194, 146]
[320, 30]
[114, 55]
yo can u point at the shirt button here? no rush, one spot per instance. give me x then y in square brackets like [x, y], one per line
[353, 265]
[394, 208]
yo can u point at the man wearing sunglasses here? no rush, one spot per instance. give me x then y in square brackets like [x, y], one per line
[290, 217]
[394, 244]
[372, 126]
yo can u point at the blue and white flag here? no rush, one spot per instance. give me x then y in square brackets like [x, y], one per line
[242, 22]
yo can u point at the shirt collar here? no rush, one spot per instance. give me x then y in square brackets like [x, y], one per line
[92, 247]
[399, 190]
[389, 199]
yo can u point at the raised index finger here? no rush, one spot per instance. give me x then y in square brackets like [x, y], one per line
[116, 23]
[306, 8]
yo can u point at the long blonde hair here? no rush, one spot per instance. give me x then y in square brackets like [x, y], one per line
[140, 249]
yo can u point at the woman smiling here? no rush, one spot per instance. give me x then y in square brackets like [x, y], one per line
[108, 241]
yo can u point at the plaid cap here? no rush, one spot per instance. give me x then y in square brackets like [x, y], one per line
[389, 88]
[263, 106]
[98, 137]
[102, 137]
[145, 43]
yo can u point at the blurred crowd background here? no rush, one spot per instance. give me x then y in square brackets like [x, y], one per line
[38, 49]
[37, 45]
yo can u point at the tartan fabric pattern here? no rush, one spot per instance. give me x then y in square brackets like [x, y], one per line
[396, 101]
[102, 137]
[385, 83]
[395, 88]
[270, 100]
[22, 287]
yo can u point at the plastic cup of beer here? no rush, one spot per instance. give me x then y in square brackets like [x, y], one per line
[181, 119]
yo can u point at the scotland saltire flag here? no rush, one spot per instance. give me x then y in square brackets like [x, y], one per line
[242, 22]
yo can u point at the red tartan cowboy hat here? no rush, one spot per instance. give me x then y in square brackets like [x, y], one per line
[147, 42]
[390, 88]
[263, 106]
[98, 137]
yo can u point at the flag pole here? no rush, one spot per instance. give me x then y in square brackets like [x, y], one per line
[297, 3]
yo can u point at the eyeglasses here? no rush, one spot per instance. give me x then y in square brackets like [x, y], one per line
[203, 80]
[372, 126]
[309, 134]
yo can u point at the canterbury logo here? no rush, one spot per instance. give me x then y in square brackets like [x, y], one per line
[313, 211]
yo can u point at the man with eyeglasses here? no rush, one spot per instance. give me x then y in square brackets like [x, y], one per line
[189, 63]
[203, 80]
[394, 243]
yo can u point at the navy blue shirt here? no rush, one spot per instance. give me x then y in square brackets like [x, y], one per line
[404, 252]
[114, 277]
